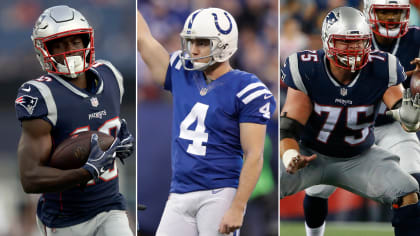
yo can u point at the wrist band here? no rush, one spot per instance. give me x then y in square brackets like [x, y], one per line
[288, 156]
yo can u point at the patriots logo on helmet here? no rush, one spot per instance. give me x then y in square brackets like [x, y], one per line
[27, 102]
[331, 18]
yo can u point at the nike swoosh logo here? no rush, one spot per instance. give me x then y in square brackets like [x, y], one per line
[216, 191]
[102, 170]
[267, 96]
[27, 89]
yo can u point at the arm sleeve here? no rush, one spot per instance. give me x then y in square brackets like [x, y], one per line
[256, 103]
[395, 70]
[291, 75]
[118, 76]
[175, 64]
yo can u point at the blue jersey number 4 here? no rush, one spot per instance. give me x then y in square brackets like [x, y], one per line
[198, 135]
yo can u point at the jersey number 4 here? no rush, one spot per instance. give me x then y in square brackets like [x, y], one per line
[198, 136]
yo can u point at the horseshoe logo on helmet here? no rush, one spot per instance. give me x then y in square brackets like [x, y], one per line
[218, 26]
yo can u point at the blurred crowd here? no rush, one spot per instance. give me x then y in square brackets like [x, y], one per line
[114, 31]
[257, 53]
[300, 29]
[111, 19]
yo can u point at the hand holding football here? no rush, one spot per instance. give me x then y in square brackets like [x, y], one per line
[73, 152]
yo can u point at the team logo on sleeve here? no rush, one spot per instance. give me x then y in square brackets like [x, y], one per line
[27, 102]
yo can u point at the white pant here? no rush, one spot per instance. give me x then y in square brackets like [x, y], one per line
[110, 223]
[195, 213]
[395, 140]
[406, 145]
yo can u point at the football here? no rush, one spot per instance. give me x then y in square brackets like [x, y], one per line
[415, 84]
[73, 152]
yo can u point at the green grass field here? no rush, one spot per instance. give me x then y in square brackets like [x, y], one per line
[340, 229]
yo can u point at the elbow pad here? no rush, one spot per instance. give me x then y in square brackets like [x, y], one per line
[290, 128]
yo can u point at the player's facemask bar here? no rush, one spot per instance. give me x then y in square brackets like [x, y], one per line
[390, 28]
[69, 63]
[191, 63]
[353, 57]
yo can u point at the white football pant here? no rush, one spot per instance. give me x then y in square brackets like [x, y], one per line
[196, 213]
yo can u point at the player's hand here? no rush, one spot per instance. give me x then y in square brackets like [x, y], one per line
[417, 62]
[231, 221]
[100, 161]
[409, 112]
[298, 162]
[126, 146]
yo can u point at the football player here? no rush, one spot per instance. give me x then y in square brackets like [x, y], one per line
[219, 124]
[78, 94]
[389, 24]
[333, 99]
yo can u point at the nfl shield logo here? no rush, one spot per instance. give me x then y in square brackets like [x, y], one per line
[203, 91]
[343, 92]
[94, 101]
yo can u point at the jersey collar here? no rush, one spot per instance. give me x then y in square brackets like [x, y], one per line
[334, 81]
[80, 92]
[394, 49]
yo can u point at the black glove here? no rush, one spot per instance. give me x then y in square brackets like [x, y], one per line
[126, 146]
[99, 161]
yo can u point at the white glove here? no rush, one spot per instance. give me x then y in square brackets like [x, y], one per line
[409, 112]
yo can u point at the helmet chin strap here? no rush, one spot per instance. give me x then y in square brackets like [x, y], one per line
[351, 61]
[389, 32]
[203, 65]
[74, 64]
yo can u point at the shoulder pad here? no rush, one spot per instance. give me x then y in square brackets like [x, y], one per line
[31, 93]
[116, 72]
[175, 60]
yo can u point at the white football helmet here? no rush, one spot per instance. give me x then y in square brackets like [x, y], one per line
[56, 23]
[349, 25]
[392, 27]
[214, 24]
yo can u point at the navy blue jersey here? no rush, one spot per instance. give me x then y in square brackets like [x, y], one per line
[206, 149]
[70, 110]
[343, 115]
[405, 49]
